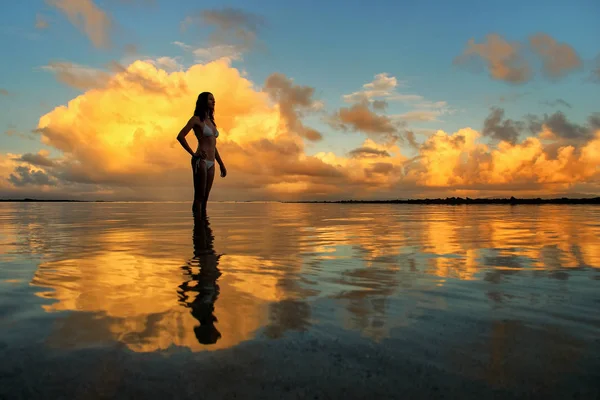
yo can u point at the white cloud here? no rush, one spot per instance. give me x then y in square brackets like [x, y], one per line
[212, 53]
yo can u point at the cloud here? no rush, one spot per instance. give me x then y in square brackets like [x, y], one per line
[228, 53]
[87, 17]
[510, 61]
[24, 176]
[504, 60]
[507, 130]
[15, 133]
[560, 127]
[121, 133]
[377, 94]
[77, 76]
[235, 31]
[379, 105]
[40, 159]
[555, 126]
[41, 22]
[4, 92]
[558, 58]
[359, 118]
[459, 161]
[368, 152]
[556, 103]
[85, 78]
[117, 141]
[381, 88]
[292, 99]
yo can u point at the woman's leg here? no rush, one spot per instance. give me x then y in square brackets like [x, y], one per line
[210, 177]
[199, 173]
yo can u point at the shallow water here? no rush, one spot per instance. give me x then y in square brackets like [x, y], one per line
[506, 296]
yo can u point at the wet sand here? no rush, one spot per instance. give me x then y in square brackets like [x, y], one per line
[330, 365]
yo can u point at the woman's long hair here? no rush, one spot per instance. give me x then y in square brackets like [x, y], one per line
[202, 108]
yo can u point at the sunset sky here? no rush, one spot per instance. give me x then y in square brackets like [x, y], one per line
[331, 100]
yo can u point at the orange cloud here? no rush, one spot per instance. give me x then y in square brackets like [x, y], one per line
[508, 61]
[88, 17]
[117, 140]
[458, 160]
[558, 58]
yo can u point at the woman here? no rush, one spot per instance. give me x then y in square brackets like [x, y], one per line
[203, 160]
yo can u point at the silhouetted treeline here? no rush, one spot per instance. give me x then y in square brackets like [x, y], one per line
[51, 201]
[467, 200]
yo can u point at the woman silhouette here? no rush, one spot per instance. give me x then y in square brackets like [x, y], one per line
[203, 160]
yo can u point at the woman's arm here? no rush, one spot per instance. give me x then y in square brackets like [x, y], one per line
[218, 158]
[183, 133]
[221, 164]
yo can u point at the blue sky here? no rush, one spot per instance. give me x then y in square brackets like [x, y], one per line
[334, 46]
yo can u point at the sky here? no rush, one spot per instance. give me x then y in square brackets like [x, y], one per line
[315, 101]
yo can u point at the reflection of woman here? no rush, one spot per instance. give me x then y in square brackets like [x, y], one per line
[206, 287]
[203, 160]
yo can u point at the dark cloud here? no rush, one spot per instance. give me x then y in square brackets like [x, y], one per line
[560, 126]
[557, 103]
[23, 176]
[292, 100]
[36, 159]
[368, 152]
[411, 139]
[380, 105]
[495, 126]
[507, 130]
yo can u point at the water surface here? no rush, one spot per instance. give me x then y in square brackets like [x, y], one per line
[502, 299]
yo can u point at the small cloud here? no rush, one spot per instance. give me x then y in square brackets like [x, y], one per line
[40, 159]
[383, 86]
[77, 76]
[504, 60]
[379, 105]
[360, 118]
[368, 152]
[41, 22]
[507, 130]
[4, 92]
[228, 53]
[88, 18]
[558, 58]
[14, 133]
[556, 103]
[130, 49]
[234, 29]
[508, 61]
[167, 63]
[292, 99]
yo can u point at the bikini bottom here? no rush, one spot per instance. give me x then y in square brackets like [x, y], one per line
[208, 164]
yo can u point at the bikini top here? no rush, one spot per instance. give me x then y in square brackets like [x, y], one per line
[207, 131]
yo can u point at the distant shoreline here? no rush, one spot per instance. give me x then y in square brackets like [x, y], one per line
[447, 200]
